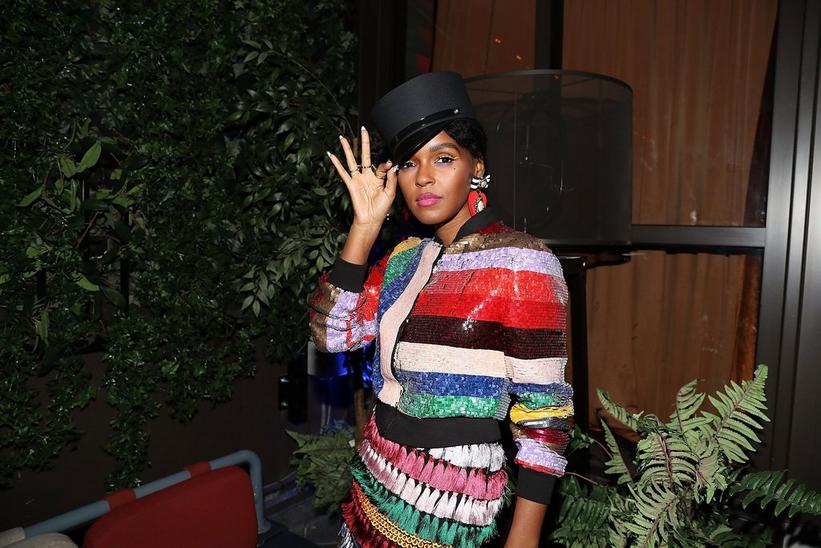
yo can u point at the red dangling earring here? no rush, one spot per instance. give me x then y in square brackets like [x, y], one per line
[477, 200]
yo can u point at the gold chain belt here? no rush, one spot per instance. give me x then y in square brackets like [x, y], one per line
[386, 527]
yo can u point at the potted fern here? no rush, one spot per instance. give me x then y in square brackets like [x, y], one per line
[688, 478]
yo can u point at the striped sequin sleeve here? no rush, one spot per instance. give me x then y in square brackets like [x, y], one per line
[343, 309]
[535, 359]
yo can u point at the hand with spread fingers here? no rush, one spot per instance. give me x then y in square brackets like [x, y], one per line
[372, 188]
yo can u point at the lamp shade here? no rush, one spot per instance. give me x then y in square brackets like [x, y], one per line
[559, 151]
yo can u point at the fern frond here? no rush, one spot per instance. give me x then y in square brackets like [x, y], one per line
[621, 512]
[615, 465]
[323, 461]
[583, 518]
[686, 536]
[619, 413]
[578, 440]
[688, 402]
[724, 535]
[740, 408]
[664, 457]
[729, 538]
[787, 495]
[656, 514]
[711, 477]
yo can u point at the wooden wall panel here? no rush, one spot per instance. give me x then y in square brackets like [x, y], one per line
[698, 71]
[484, 36]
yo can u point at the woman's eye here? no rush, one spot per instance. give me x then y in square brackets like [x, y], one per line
[445, 159]
[406, 165]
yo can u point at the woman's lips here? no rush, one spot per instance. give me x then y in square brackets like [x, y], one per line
[427, 199]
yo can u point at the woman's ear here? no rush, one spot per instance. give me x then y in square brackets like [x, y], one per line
[479, 168]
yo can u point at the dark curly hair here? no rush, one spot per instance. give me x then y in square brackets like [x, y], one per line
[470, 135]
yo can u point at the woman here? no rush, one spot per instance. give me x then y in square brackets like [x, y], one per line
[469, 327]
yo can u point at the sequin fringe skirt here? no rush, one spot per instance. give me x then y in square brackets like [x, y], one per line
[404, 496]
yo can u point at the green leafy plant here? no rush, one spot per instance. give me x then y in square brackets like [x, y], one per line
[323, 461]
[687, 480]
[166, 201]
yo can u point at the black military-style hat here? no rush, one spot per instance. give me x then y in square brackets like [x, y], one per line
[411, 114]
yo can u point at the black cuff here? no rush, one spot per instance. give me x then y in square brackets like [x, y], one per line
[348, 276]
[535, 486]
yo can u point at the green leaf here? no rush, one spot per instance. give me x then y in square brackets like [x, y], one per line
[41, 326]
[136, 189]
[90, 157]
[583, 516]
[263, 296]
[789, 495]
[688, 402]
[115, 297]
[67, 166]
[616, 464]
[122, 200]
[94, 204]
[85, 283]
[579, 440]
[620, 413]
[235, 116]
[733, 432]
[323, 461]
[30, 197]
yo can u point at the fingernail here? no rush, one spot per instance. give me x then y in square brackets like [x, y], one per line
[328, 153]
[341, 137]
[362, 128]
[389, 163]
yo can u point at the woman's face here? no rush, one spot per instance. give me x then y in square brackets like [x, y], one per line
[435, 181]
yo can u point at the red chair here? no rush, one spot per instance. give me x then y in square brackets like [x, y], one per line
[209, 505]
[215, 508]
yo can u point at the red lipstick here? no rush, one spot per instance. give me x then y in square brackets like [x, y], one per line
[427, 199]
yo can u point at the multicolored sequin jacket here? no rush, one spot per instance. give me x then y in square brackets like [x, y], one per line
[462, 330]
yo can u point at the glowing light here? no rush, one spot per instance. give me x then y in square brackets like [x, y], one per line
[497, 40]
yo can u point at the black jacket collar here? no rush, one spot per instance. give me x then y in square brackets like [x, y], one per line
[484, 218]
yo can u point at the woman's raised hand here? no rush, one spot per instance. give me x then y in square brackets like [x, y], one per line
[372, 188]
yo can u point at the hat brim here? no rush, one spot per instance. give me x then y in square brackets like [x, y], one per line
[406, 148]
